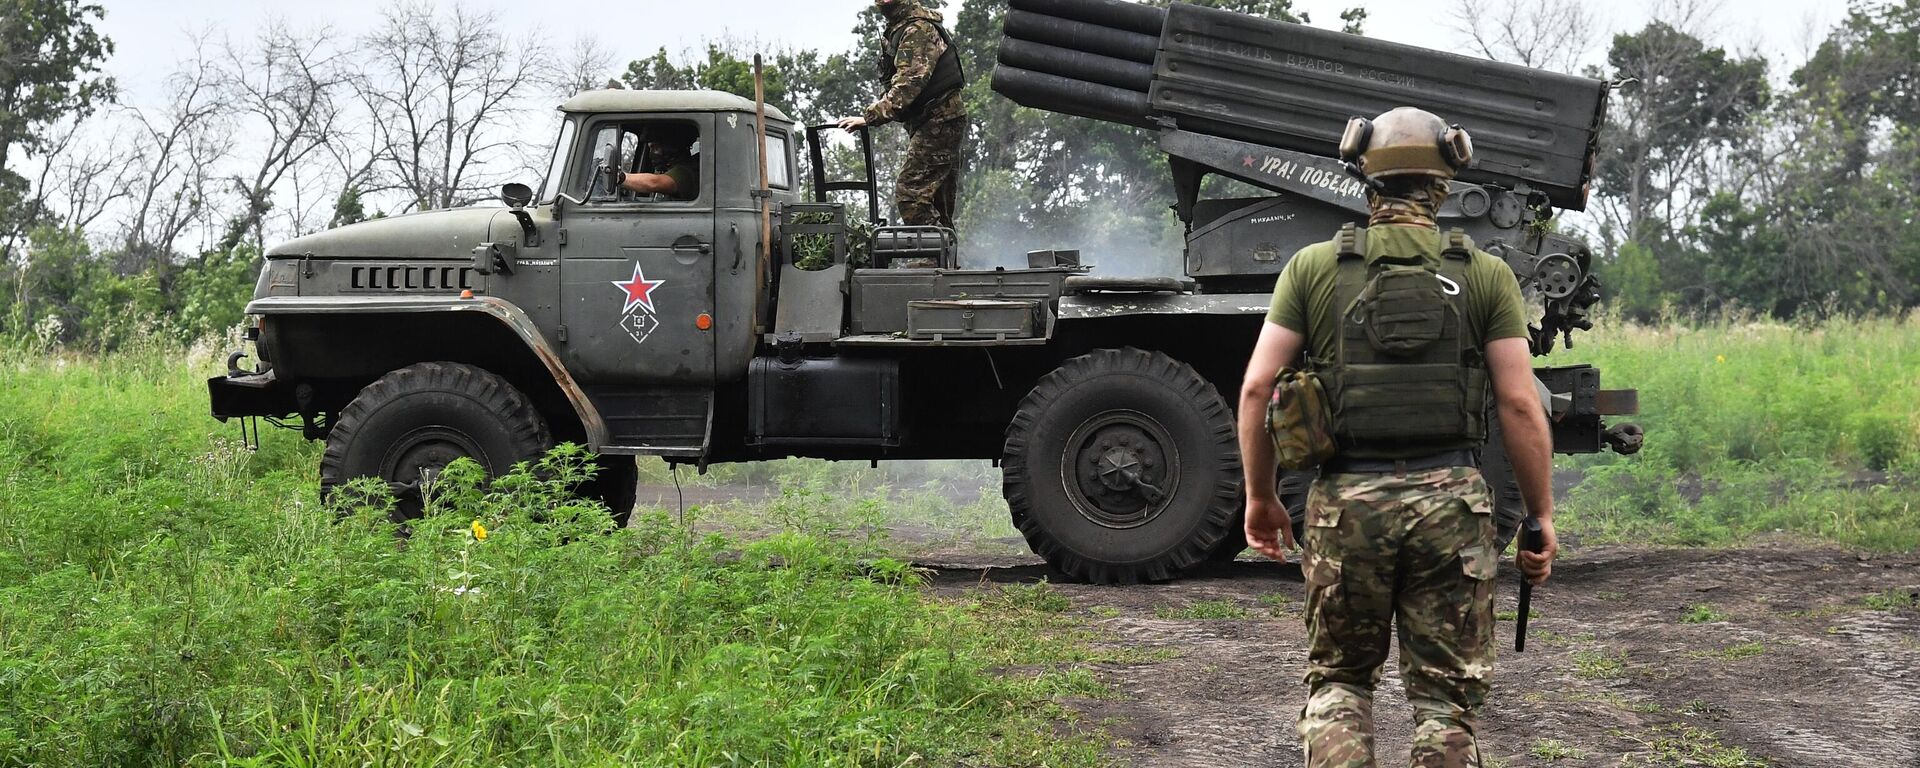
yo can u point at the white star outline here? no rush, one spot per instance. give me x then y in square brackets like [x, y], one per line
[638, 298]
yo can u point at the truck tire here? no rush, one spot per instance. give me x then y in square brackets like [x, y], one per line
[1122, 466]
[1292, 486]
[617, 485]
[1508, 509]
[422, 417]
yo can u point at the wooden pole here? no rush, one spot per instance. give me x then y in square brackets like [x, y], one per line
[765, 194]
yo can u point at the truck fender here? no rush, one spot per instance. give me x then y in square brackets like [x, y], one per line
[502, 310]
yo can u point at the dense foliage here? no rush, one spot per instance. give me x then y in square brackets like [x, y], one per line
[169, 598]
[1755, 427]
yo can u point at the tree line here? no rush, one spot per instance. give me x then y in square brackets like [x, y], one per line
[1724, 182]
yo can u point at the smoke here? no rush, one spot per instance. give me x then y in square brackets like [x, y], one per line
[1117, 241]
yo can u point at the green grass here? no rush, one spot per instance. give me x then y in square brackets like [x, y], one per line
[1701, 613]
[1039, 596]
[1203, 610]
[907, 508]
[1686, 746]
[1758, 427]
[1554, 749]
[169, 598]
[1595, 664]
[1280, 604]
[1733, 652]
[1892, 600]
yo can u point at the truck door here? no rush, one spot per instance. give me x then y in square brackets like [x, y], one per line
[637, 273]
[638, 269]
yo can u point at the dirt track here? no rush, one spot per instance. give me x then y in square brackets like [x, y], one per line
[1790, 662]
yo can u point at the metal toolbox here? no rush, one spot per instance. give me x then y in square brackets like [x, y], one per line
[881, 296]
[940, 319]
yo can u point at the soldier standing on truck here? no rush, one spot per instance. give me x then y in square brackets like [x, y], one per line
[1404, 326]
[920, 68]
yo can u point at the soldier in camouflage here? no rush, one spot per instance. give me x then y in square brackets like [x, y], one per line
[921, 71]
[1398, 526]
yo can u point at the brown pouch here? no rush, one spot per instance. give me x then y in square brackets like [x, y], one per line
[1300, 420]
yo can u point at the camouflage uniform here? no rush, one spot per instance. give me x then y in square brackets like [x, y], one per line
[1416, 547]
[930, 173]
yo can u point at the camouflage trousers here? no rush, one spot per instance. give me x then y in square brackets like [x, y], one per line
[930, 174]
[1412, 551]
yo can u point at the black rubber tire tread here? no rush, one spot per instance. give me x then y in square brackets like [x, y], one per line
[490, 401]
[616, 485]
[1294, 485]
[1235, 540]
[1508, 508]
[1210, 464]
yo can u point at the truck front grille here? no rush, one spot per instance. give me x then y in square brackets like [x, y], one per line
[370, 278]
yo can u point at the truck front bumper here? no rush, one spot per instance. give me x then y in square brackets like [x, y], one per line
[250, 394]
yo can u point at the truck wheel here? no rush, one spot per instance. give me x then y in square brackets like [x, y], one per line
[1122, 466]
[1235, 540]
[1508, 509]
[617, 485]
[1292, 486]
[414, 421]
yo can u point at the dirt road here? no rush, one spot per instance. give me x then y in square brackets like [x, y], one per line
[1774, 655]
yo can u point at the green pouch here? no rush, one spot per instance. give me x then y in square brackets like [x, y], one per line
[1300, 420]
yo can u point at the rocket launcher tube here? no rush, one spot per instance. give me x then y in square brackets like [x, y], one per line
[1293, 87]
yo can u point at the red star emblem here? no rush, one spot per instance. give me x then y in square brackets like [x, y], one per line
[639, 290]
[1246, 162]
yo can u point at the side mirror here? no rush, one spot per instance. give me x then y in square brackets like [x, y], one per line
[610, 168]
[516, 195]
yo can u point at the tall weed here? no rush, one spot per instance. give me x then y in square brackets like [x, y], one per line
[1756, 427]
[170, 598]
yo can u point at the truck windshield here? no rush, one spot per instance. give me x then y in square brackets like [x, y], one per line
[557, 167]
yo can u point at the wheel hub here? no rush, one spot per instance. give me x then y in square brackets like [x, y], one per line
[418, 457]
[1120, 469]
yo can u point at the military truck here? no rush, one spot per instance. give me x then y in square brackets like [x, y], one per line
[694, 330]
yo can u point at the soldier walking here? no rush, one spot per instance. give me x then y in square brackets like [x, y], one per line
[1408, 329]
[921, 71]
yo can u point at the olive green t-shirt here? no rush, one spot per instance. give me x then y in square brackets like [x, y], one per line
[1303, 296]
[686, 179]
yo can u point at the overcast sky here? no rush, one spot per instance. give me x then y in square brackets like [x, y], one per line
[152, 35]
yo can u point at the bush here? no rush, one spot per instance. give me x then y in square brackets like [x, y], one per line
[170, 598]
[1754, 427]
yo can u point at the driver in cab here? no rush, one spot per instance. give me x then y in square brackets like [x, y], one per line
[672, 170]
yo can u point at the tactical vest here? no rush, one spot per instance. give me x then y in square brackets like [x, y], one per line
[1406, 380]
[946, 77]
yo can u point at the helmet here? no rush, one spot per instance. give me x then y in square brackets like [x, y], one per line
[1405, 142]
[676, 133]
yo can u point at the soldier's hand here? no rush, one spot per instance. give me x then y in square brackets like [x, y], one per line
[1269, 527]
[1538, 567]
[851, 123]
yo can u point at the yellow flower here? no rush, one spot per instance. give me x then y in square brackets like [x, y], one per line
[1719, 358]
[479, 531]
